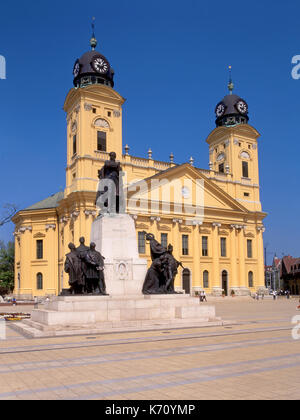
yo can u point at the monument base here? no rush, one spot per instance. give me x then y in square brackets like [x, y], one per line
[76, 315]
[115, 237]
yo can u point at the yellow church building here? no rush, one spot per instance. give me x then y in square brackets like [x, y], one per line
[221, 248]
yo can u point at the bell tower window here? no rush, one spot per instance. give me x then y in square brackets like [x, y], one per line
[221, 168]
[245, 168]
[101, 141]
[74, 144]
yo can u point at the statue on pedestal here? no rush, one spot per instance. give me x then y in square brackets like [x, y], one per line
[161, 275]
[172, 269]
[95, 282]
[82, 250]
[73, 268]
[85, 267]
[110, 197]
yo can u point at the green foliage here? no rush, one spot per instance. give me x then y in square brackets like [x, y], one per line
[7, 263]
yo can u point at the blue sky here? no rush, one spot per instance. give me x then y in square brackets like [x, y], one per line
[171, 59]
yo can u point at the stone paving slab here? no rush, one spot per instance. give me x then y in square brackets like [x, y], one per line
[257, 358]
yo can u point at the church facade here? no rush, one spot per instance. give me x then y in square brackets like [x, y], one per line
[220, 246]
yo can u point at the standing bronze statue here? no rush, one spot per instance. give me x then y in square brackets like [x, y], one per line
[73, 268]
[95, 282]
[161, 275]
[85, 267]
[82, 250]
[110, 197]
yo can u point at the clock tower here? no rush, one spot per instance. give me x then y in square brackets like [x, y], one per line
[233, 151]
[94, 120]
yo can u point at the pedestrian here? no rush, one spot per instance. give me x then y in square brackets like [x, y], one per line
[287, 294]
[204, 297]
[14, 302]
[274, 295]
[201, 296]
[35, 302]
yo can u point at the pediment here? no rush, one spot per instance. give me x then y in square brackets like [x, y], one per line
[223, 232]
[39, 235]
[142, 226]
[249, 235]
[164, 227]
[185, 229]
[205, 231]
[185, 187]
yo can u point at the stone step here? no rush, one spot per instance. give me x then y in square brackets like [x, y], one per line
[36, 331]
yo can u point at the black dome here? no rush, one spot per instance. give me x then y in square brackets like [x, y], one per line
[85, 73]
[232, 110]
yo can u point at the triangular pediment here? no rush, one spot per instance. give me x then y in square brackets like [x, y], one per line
[39, 235]
[184, 185]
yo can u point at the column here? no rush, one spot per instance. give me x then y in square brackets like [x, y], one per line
[260, 280]
[233, 242]
[216, 280]
[176, 242]
[242, 277]
[196, 277]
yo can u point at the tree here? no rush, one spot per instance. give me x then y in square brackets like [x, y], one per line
[9, 211]
[7, 267]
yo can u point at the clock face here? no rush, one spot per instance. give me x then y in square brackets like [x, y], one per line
[76, 69]
[220, 110]
[185, 192]
[100, 65]
[242, 107]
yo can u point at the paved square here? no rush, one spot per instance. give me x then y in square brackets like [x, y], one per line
[256, 358]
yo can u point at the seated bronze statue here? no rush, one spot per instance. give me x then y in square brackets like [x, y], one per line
[161, 275]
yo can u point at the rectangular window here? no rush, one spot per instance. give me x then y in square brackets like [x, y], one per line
[101, 141]
[204, 246]
[185, 245]
[74, 144]
[245, 170]
[39, 249]
[221, 168]
[223, 247]
[249, 248]
[142, 243]
[164, 240]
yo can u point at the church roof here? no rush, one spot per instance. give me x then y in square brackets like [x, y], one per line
[48, 203]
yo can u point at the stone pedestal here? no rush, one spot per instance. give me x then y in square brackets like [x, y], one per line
[72, 315]
[115, 237]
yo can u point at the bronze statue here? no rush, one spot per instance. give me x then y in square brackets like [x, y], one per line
[161, 275]
[73, 268]
[82, 250]
[110, 197]
[172, 270]
[85, 267]
[95, 282]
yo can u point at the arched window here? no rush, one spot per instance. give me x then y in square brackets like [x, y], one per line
[39, 281]
[250, 279]
[186, 281]
[205, 280]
